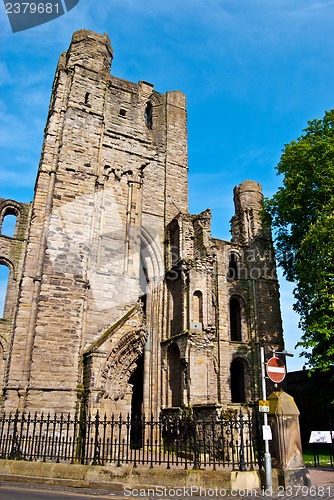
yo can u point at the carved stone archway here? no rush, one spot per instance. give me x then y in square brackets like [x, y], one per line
[121, 363]
[110, 362]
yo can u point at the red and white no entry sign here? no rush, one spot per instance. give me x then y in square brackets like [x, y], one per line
[276, 370]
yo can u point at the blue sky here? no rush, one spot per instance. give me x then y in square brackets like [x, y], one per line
[253, 71]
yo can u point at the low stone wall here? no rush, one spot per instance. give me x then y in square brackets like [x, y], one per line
[118, 478]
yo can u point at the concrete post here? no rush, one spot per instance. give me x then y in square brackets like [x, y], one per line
[286, 444]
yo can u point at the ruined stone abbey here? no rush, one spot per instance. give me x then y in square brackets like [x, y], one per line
[119, 299]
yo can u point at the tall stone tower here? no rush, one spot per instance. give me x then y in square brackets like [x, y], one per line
[119, 299]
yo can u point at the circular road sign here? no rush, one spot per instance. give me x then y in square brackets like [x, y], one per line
[276, 370]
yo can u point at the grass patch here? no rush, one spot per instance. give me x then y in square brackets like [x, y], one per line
[323, 455]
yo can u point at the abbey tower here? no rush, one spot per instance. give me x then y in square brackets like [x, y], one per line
[118, 299]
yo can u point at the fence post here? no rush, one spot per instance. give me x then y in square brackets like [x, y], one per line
[196, 450]
[120, 424]
[151, 441]
[15, 452]
[242, 465]
[250, 441]
[79, 433]
[96, 456]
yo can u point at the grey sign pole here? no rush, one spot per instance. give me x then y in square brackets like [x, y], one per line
[267, 456]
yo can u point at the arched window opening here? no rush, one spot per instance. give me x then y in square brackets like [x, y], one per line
[235, 319]
[233, 266]
[9, 223]
[238, 393]
[198, 307]
[4, 279]
[175, 374]
[149, 115]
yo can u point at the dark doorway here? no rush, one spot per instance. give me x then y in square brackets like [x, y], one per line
[137, 381]
[238, 381]
[175, 374]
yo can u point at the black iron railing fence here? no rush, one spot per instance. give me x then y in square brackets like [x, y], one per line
[172, 440]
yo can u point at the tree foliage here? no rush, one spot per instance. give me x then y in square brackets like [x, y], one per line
[302, 216]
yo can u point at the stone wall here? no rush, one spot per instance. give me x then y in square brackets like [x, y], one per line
[12, 248]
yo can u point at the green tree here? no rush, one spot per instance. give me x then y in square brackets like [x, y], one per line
[302, 217]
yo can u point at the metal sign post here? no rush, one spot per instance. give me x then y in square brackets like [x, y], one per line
[276, 371]
[267, 456]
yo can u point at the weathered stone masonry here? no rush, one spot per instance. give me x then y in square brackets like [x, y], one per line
[118, 298]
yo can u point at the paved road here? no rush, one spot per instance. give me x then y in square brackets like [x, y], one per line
[322, 480]
[9, 491]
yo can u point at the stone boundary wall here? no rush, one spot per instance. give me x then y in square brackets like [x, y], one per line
[117, 478]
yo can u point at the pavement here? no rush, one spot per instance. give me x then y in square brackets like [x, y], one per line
[322, 476]
[322, 479]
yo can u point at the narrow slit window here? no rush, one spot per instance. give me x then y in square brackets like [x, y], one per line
[149, 115]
